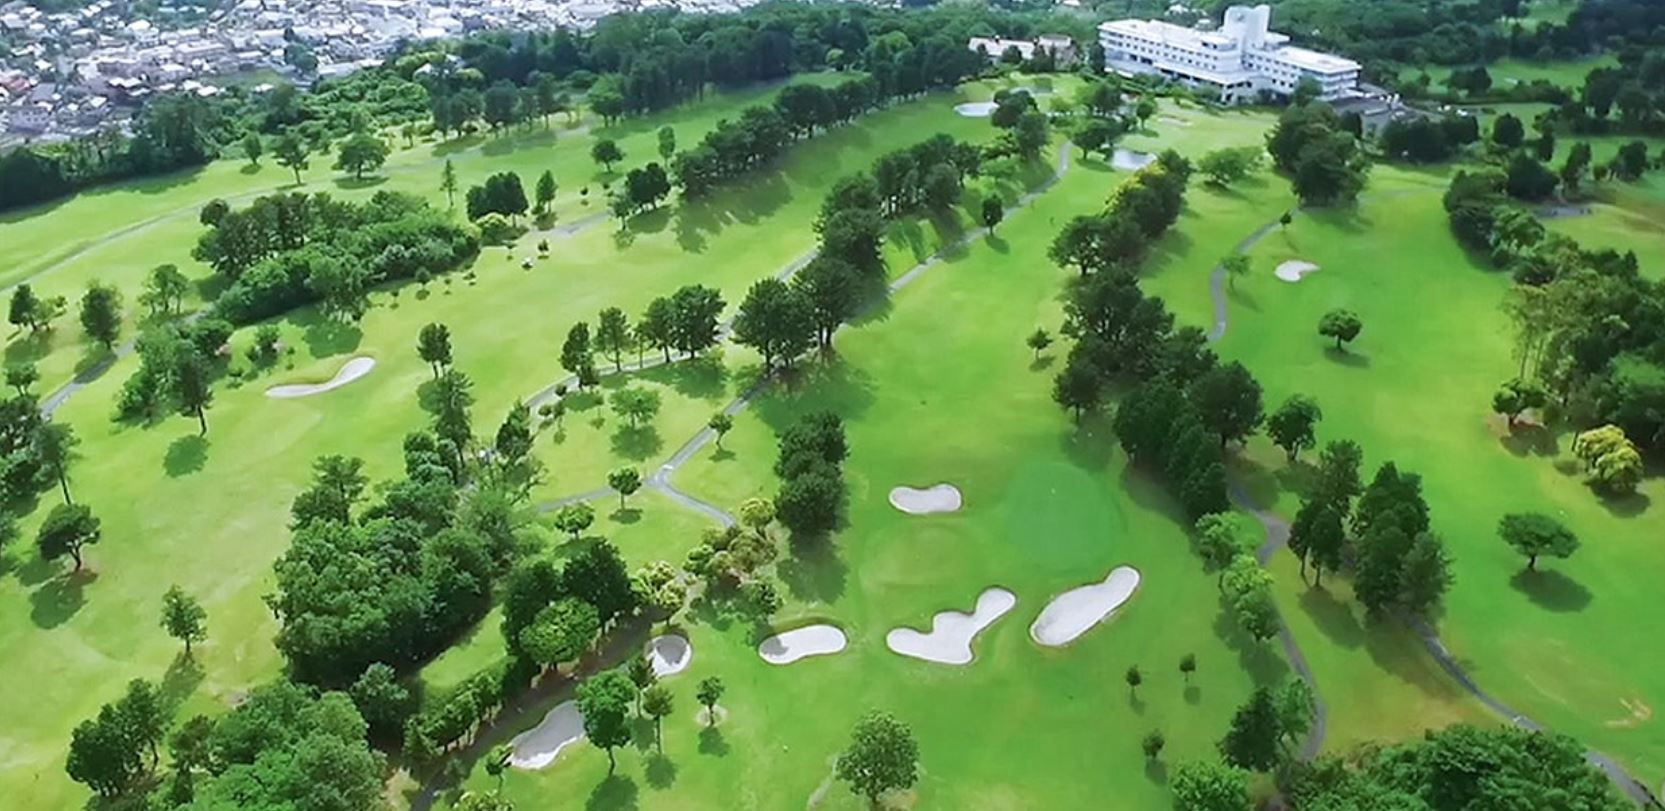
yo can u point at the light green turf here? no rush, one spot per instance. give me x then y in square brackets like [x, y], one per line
[1563, 646]
[1567, 73]
[1046, 509]
[211, 515]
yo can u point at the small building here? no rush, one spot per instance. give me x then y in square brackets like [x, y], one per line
[1060, 46]
[1241, 60]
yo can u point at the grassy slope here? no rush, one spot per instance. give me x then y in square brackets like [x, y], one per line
[931, 398]
[210, 515]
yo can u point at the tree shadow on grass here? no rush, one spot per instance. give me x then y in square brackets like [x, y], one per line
[1333, 617]
[1347, 358]
[1193, 694]
[1090, 443]
[1626, 506]
[1551, 590]
[1260, 659]
[703, 377]
[1042, 363]
[660, 771]
[326, 336]
[59, 598]
[814, 570]
[637, 443]
[625, 515]
[183, 676]
[712, 742]
[1523, 438]
[616, 793]
[186, 455]
[29, 347]
[36, 569]
[1156, 771]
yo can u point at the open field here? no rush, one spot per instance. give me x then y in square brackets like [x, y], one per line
[1509, 71]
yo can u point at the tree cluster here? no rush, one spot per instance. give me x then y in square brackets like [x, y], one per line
[811, 469]
[1322, 157]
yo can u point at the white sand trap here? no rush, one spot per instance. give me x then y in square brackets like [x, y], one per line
[1076, 611]
[1128, 160]
[669, 654]
[938, 498]
[537, 747]
[1294, 269]
[949, 641]
[810, 640]
[350, 371]
[975, 109]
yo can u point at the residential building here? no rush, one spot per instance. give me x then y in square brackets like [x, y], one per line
[1241, 60]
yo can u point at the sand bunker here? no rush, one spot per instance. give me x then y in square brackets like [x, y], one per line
[938, 498]
[1128, 160]
[669, 654]
[1076, 611]
[537, 747]
[350, 371]
[949, 641]
[810, 640]
[975, 109]
[1294, 269]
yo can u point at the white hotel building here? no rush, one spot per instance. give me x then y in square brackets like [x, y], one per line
[1241, 59]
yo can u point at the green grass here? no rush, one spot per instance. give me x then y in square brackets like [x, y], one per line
[938, 386]
[210, 515]
[1416, 389]
[1509, 71]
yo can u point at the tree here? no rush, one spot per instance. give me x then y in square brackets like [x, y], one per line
[1613, 462]
[164, 290]
[1528, 179]
[635, 404]
[575, 351]
[720, 423]
[1292, 426]
[1187, 666]
[1210, 787]
[291, 152]
[1424, 575]
[497, 762]
[21, 377]
[573, 519]
[1224, 167]
[811, 502]
[1134, 678]
[1079, 387]
[1307, 90]
[1252, 740]
[544, 193]
[656, 328]
[658, 703]
[1038, 340]
[1318, 536]
[1534, 534]
[1295, 703]
[1342, 325]
[612, 335]
[831, 287]
[625, 480]
[103, 755]
[776, 320]
[68, 528]
[433, 345]
[382, 700]
[606, 152]
[708, 692]
[101, 314]
[882, 757]
[693, 318]
[993, 212]
[1152, 743]
[448, 183]
[194, 387]
[561, 632]
[361, 152]
[252, 148]
[1517, 396]
[667, 142]
[183, 617]
[1508, 131]
[1228, 400]
[54, 446]
[1235, 265]
[604, 701]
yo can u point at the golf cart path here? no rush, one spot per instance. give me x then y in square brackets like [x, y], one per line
[1277, 536]
[660, 479]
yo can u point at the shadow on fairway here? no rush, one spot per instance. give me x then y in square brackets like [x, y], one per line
[59, 599]
[1333, 617]
[28, 347]
[1156, 771]
[1346, 358]
[186, 455]
[326, 336]
[638, 443]
[814, 571]
[712, 743]
[660, 771]
[1552, 590]
[1525, 438]
[1261, 659]
[615, 792]
[1627, 506]
[181, 680]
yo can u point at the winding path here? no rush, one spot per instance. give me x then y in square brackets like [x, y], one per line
[1277, 536]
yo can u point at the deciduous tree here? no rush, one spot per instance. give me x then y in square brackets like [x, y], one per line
[882, 757]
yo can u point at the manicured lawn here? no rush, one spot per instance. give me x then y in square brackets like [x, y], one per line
[1568, 73]
[211, 515]
[940, 388]
[1563, 645]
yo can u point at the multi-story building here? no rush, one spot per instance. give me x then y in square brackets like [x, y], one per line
[1241, 59]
